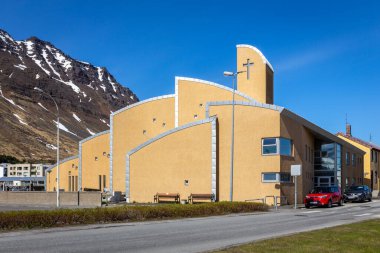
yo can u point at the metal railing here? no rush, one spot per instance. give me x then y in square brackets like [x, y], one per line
[276, 203]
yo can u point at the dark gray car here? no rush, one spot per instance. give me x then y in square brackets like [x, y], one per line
[358, 193]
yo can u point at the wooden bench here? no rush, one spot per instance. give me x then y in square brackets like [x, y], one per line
[197, 197]
[166, 197]
[91, 190]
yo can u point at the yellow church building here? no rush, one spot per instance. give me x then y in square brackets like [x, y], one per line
[207, 138]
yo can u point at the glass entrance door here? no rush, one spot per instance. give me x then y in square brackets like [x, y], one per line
[324, 181]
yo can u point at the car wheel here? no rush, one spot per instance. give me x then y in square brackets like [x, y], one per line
[307, 206]
[369, 199]
[329, 205]
[340, 203]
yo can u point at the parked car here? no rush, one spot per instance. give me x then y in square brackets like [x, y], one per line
[358, 193]
[324, 196]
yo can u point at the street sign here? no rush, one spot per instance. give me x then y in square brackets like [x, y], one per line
[295, 170]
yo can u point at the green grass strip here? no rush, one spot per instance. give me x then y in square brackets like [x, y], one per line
[63, 217]
[353, 238]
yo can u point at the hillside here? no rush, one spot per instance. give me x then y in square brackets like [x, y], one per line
[85, 95]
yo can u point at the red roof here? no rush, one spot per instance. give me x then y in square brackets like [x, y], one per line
[360, 141]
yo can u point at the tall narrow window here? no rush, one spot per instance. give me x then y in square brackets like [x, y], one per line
[100, 182]
[72, 188]
[76, 184]
[69, 183]
[104, 181]
[347, 158]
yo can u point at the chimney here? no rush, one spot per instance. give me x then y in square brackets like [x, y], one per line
[348, 130]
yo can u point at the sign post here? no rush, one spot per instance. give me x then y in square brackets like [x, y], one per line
[295, 170]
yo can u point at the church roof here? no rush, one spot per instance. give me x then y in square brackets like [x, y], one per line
[360, 141]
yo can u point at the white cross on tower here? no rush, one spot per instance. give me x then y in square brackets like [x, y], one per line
[248, 64]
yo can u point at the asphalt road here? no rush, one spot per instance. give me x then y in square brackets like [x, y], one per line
[187, 235]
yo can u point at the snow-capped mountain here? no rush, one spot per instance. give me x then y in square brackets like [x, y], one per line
[85, 95]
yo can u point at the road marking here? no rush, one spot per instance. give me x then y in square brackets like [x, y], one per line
[312, 212]
[364, 214]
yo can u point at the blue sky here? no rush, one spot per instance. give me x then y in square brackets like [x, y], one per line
[325, 53]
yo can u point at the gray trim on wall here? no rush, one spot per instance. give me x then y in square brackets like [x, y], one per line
[214, 146]
[80, 156]
[94, 136]
[178, 78]
[143, 102]
[174, 130]
[80, 168]
[111, 156]
[290, 114]
[253, 104]
[111, 129]
[62, 161]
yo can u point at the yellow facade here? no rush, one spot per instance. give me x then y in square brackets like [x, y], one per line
[258, 83]
[68, 173]
[182, 143]
[140, 122]
[94, 165]
[192, 96]
[133, 126]
[178, 162]
[371, 166]
[252, 124]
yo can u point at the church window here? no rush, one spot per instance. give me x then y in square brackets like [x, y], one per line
[277, 146]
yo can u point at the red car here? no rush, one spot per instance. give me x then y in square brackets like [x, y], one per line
[324, 196]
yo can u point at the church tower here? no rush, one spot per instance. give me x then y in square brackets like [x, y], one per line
[257, 80]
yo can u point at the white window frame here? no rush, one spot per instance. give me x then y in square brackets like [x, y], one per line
[278, 178]
[269, 181]
[278, 146]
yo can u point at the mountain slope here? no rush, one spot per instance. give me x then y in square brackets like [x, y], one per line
[85, 95]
